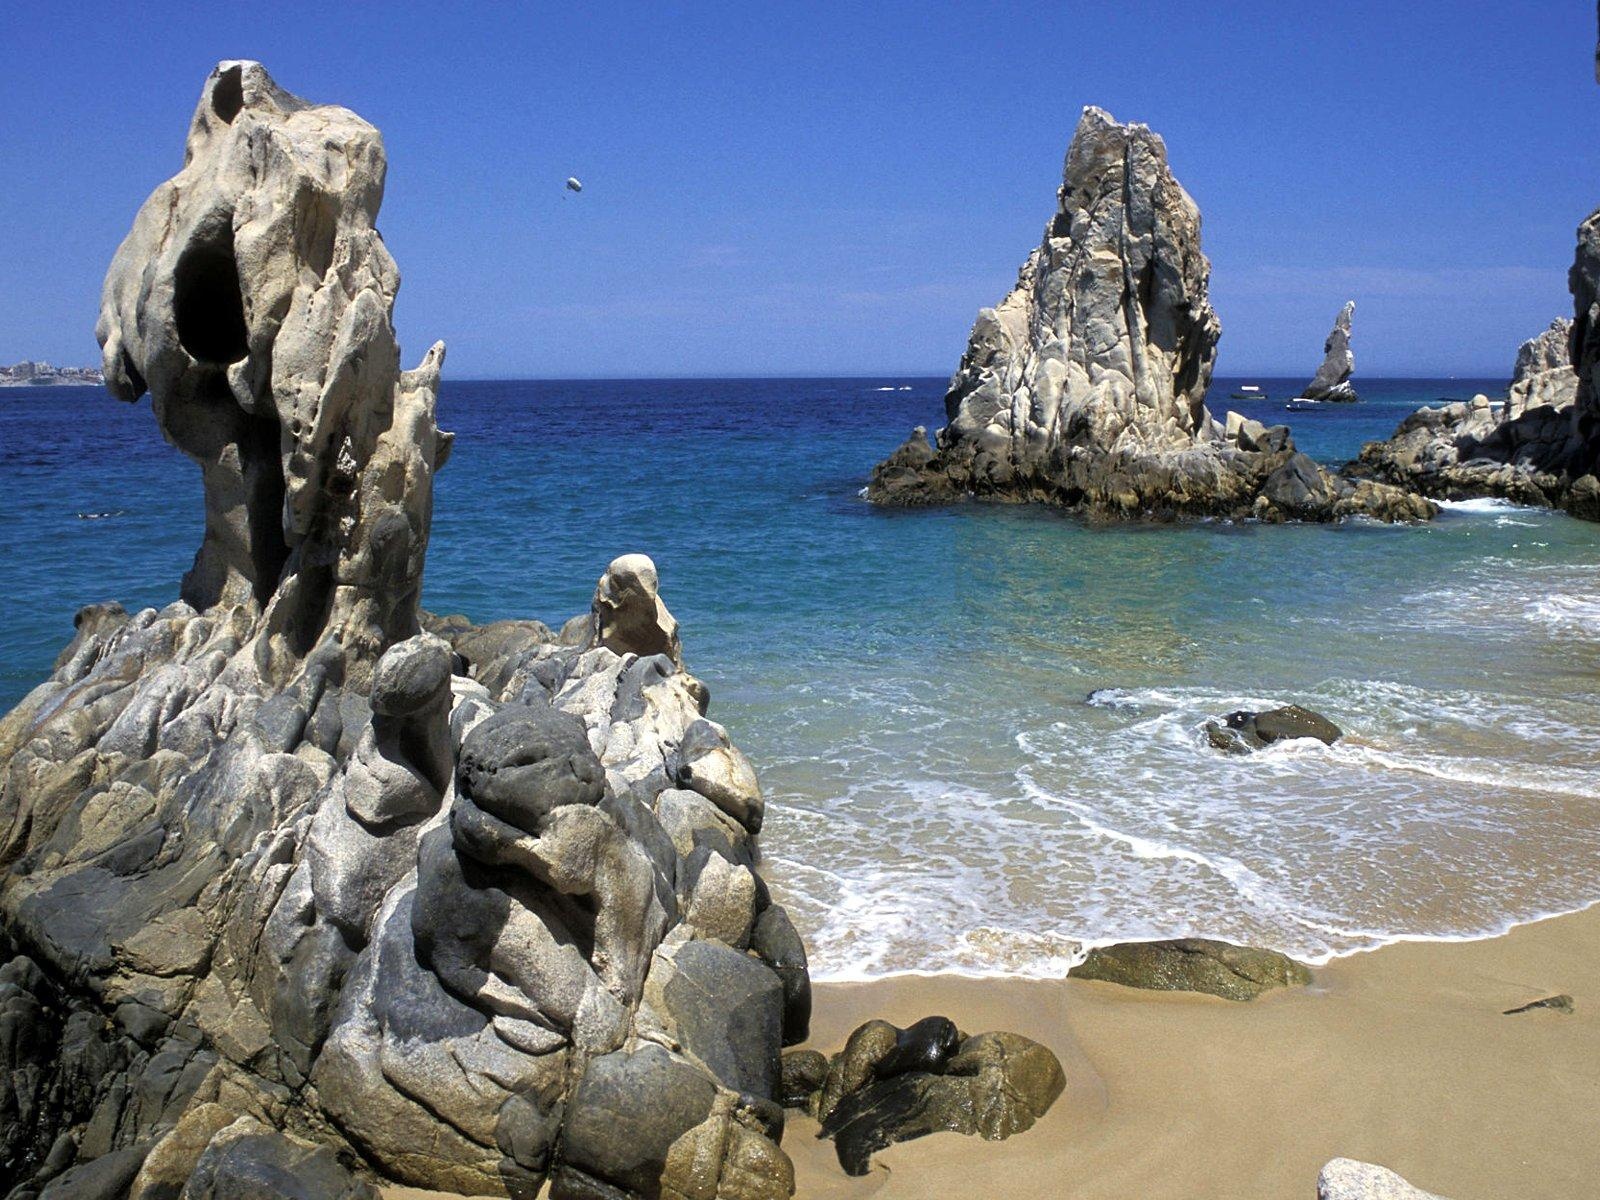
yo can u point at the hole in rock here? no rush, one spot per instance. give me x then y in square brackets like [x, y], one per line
[227, 95]
[208, 304]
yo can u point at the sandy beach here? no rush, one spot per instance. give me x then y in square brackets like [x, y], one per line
[1401, 1056]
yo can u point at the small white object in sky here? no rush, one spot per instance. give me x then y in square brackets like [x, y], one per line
[574, 185]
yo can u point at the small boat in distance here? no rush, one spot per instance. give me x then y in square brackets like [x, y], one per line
[1302, 404]
[1249, 391]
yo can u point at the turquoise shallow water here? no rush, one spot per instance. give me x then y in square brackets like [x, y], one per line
[914, 685]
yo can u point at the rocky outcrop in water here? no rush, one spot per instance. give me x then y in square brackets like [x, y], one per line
[1085, 388]
[297, 878]
[1331, 383]
[1243, 731]
[1543, 446]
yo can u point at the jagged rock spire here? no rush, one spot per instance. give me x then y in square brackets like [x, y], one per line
[1332, 380]
[252, 299]
[1085, 387]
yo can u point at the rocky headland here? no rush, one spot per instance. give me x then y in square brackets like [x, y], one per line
[302, 884]
[1085, 388]
[1542, 447]
[1332, 383]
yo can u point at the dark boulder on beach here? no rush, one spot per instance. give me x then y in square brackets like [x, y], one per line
[1193, 965]
[891, 1085]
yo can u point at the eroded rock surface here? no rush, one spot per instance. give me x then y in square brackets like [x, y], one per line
[891, 1085]
[1193, 965]
[297, 877]
[1332, 380]
[1348, 1179]
[1085, 387]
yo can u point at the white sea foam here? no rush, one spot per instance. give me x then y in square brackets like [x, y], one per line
[980, 811]
[1482, 504]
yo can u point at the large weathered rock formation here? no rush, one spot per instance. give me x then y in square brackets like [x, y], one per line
[289, 864]
[1332, 380]
[1086, 386]
[1542, 447]
[1543, 375]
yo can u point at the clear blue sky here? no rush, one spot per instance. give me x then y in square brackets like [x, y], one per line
[816, 188]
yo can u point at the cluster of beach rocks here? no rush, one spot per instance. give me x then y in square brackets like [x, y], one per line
[1085, 388]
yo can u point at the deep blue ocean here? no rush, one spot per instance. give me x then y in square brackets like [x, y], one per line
[913, 686]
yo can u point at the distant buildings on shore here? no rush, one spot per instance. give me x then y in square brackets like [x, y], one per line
[42, 374]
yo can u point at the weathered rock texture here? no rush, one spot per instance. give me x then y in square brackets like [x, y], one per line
[1193, 965]
[1543, 375]
[1348, 1179]
[1332, 380]
[1543, 446]
[891, 1085]
[1086, 387]
[289, 864]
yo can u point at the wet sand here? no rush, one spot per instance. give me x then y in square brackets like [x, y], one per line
[1401, 1056]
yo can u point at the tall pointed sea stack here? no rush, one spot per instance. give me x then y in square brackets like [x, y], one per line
[1086, 387]
[290, 869]
[1332, 380]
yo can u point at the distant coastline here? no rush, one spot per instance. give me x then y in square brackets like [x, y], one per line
[28, 373]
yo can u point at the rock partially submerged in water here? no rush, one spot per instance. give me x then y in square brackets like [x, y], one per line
[1085, 388]
[891, 1085]
[475, 908]
[1243, 731]
[1348, 1179]
[1332, 380]
[1193, 965]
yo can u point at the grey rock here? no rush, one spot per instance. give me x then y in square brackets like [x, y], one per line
[1543, 375]
[1085, 387]
[723, 1009]
[105, 1178]
[249, 1161]
[646, 1124]
[713, 766]
[1193, 965]
[292, 849]
[1348, 1179]
[1331, 383]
